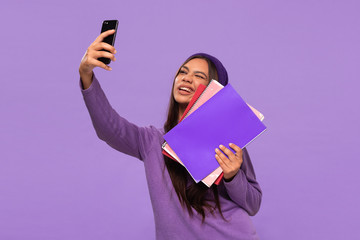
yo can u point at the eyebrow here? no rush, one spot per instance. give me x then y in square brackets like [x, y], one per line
[195, 71]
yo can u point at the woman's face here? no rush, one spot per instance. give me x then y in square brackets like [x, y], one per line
[190, 76]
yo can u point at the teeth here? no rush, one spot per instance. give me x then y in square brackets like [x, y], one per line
[185, 89]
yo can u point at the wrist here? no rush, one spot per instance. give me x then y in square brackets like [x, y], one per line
[86, 78]
[229, 178]
[85, 72]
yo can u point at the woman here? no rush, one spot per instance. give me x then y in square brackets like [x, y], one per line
[182, 208]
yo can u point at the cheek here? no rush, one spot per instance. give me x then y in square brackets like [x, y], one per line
[197, 83]
[174, 87]
[176, 82]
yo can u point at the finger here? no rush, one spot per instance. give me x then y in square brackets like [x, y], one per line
[223, 158]
[98, 63]
[98, 54]
[221, 163]
[103, 35]
[238, 151]
[236, 148]
[238, 154]
[104, 45]
[228, 152]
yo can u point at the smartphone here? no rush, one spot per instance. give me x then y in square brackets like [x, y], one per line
[108, 25]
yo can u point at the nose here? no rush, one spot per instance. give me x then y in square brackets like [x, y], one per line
[187, 78]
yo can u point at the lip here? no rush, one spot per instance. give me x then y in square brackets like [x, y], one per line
[186, 86]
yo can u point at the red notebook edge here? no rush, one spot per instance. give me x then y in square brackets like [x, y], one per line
[218, 180]
[193, 100]
[168, 155]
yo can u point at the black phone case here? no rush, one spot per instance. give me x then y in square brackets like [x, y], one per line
[108, 25]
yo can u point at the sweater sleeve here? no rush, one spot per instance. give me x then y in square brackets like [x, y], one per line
[243, 189]
[115, 130]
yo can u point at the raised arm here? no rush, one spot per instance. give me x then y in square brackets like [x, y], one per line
[109, 126]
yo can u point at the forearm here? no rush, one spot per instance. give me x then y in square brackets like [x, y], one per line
[247, 194]
[243, 189]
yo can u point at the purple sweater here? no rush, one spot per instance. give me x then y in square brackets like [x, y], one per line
[239, 198]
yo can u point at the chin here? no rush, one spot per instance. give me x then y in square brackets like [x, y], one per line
[182, 101]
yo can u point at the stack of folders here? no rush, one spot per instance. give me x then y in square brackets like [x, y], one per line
[215, 115]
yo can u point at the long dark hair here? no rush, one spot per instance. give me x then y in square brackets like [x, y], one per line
[194, 195]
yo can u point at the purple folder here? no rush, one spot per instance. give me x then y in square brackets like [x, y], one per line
[223, 119]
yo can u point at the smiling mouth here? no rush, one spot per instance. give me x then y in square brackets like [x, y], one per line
[185, 89]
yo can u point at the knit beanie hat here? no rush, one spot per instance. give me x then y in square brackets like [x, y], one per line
[221, 71]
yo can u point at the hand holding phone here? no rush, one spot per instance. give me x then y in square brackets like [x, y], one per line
[98, 54]
[108, 25]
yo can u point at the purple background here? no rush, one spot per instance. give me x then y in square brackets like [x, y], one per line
[298, 63]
